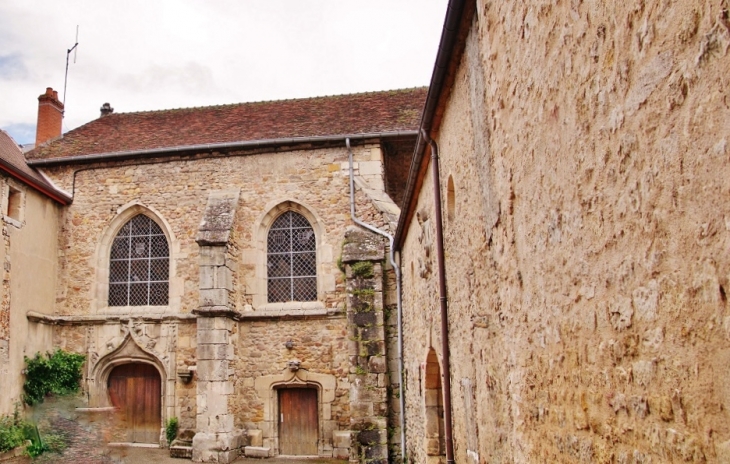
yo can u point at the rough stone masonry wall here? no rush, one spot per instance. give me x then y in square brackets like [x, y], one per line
[362, 256]
[319, 343]
[178, 191]
[588, 275]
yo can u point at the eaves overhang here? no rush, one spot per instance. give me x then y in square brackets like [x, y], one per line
[216, 147]
[45, 189]
[453, 37]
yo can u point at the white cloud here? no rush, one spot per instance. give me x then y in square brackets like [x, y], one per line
[146, 55]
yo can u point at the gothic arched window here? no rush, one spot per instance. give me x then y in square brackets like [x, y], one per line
[291, 259]
[139, 265]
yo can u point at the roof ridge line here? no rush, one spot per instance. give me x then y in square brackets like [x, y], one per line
[229, 105]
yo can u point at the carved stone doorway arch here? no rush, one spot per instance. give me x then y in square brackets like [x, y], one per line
[128, 352]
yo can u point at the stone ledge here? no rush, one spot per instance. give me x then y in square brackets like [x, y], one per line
[41, 318]
[291, 313]
[296, 305]
[217, 311]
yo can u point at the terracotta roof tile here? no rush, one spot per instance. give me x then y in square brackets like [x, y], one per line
[11, 154]
[362, 113]
[13, 162]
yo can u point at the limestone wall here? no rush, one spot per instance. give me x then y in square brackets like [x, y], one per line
[177, 191]
[29, 266]
[319, 343]
[587, 250]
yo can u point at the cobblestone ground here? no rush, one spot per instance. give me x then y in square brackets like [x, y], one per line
[86, 436]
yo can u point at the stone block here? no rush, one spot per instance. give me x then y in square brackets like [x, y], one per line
[215, 352]
[433, 446]
[341, 439]
[256, 438]
[228, 456]
[377, 364]
[213, 336]
[370, 168]
[326, 411]
[362, 246]
[221, 388]
[215, 226]
[224, 278]
[212, 255]
[211, 371]
[221, 423]
[376, 453]
[214, 297]
[361, 409]
[341, 453]
[364, 319]
[217, 405]
[257, 452]
[181, 452]
[207, 277]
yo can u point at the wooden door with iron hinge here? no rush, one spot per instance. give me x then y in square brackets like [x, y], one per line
[298, 421]
[134, 389]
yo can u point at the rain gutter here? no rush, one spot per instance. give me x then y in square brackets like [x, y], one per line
[247, 144]
[458, 13]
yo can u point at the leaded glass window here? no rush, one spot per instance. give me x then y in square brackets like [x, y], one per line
[139, 265]
[292, 259]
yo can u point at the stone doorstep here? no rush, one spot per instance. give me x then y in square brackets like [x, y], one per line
[256, 451]
[133, 445]
[182, 452]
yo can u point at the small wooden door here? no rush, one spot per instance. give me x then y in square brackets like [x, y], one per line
[134, 389]
[298, 424]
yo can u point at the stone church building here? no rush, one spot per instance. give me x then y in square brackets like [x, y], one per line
[201, 259]
[526, 262]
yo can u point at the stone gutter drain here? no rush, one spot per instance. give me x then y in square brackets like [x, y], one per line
[396, 268]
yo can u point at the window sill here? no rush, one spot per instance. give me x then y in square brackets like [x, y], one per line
[291, 305]
[121, 310]
[291, 309]
[13, 221]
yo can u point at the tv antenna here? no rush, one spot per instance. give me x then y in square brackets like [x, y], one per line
[68, 53]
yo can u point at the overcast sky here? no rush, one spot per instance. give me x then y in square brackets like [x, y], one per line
[158, 54]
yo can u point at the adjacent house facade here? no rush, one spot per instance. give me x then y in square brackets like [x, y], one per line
[30, 209]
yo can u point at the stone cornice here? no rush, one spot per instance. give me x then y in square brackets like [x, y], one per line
[48, 319]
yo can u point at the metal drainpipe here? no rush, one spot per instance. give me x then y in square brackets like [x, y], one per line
[442, 297]
[396, 268]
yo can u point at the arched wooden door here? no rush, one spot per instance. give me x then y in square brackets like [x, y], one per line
[298, 421]
[134, 389]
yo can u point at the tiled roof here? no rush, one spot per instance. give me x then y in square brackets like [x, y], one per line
[12, 154]
[13, 162]
[363, 113]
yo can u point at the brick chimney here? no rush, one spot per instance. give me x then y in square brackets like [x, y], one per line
[50, 117]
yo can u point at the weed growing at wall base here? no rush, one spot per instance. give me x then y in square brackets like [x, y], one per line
[171, 427]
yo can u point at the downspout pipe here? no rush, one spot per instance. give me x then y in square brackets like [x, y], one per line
[399, 298]
[446, 352]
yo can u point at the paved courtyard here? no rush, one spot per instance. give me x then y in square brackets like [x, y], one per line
[86, 436]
